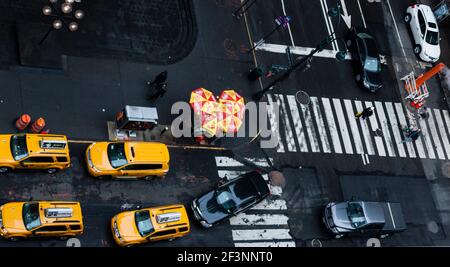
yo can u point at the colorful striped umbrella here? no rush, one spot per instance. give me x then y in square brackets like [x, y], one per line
[205, 106]
[231, 111]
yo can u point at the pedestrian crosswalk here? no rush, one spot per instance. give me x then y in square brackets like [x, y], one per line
[328, 125]
[265, 224]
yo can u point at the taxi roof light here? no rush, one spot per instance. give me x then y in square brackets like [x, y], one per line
[53, 144]
[168, 217]
[58, 212]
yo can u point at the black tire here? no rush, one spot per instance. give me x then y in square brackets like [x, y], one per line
[4, 169]
[417, 49]
[407, 18]
[52, 170]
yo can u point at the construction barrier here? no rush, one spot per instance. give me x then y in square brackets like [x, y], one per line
[38, 125]
[23, 121]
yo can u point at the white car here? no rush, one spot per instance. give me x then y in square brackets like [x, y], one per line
[425, 32]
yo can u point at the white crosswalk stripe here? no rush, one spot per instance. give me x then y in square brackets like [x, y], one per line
[330, 126]
[267, 214]
[288, 131]
[274, 122]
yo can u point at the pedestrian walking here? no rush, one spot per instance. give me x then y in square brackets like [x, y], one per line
[158, 86]
[160, 78]
[412, 135]
[367, 112]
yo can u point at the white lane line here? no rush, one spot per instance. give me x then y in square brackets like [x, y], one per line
[332, 125]
[395, 129]
[289, 25]
[427, 139]
[259, 219]
[435, 135]
[362, 14]
[374, 124]
[274, 123]
[265, 244]
[353, 126]
[313, 139]
[298, 126]
[421, 151]
[403, 123]
[230, 162]
[327, 23]
[335, 43]
[396, 28]
[442, 127]
[261, 234]
[298, 50]
[268, 204]
[363, 159]
[230, 175]
[367, 158]
[290, 141]
[365, 131]
[385, 128]
[321, 125]
[343, 126]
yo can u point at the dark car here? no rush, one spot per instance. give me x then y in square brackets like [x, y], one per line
[230, 198]
[366, 58]
[364, 218]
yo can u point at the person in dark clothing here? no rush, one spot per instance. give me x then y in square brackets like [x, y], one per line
[412, 135]
[367, 112]
[158, 85]
[160, 78]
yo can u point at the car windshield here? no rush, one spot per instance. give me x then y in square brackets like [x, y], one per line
[372, 64]
[143, 222]
[30, 214]
[116, 155]
[19, 148]
[356, 214]
[432, 38]
[225, 199]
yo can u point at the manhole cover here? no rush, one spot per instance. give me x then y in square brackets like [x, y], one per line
[373, 242]
[379, 132]
[316, 243]
[302, 97]
[73, 242]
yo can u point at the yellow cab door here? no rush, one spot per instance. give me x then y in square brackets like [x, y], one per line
[162, 235]
[51, 230]
[131, 171]
[37, 162]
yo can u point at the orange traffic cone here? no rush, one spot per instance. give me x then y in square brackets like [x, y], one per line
[22, 122]
[38, 125]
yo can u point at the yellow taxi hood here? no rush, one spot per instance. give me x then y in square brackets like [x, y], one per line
[127, 227]
[12, 217]
[99, 156]
[5, 148]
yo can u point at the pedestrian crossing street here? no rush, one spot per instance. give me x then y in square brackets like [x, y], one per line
[264, 225]
[329, 126]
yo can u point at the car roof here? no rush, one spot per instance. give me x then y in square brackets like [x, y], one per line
[142, 152]
[373, 212]
[168, 210]
[249, 185]
[428, 13]
[34, 142]
[74, 206]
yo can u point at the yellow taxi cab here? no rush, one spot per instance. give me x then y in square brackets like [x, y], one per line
[20, 220]
[34, 151]
[127, 159]
[150, 224]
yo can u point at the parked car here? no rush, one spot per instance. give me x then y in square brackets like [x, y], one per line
[425, 32]
[363, 218]
[366, 58]
[230, 198]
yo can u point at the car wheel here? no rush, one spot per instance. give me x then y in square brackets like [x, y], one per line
[407, 18]
[4, 169]
[358, 77]
[14, 238]
[417, 49]
[52, 170]
[338, 236]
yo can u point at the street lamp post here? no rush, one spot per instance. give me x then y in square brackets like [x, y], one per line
[245, 7]
[281, 21]
[63, 16]
[321, 46]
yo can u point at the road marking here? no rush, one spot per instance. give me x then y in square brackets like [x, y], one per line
[395, 129]
[265, 244]
[229, 175]
[298, 126]
[330, 23]
[346, 17]
[287, 129]
[261, 234]
[362, 14]
[298, 50]
[332, 125]
[274, 122]
[396, 28]
[392, 217]
[353, 126]
[435, 136]
[403, 123]
[427, 139]
[321, 125]
[374, 124]
[270, 204]
[365, 131]
[343, 126]
[442, 127]
[289, 25]
[313, 140]
[259, 219]
[230, 162]
[385, 128]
